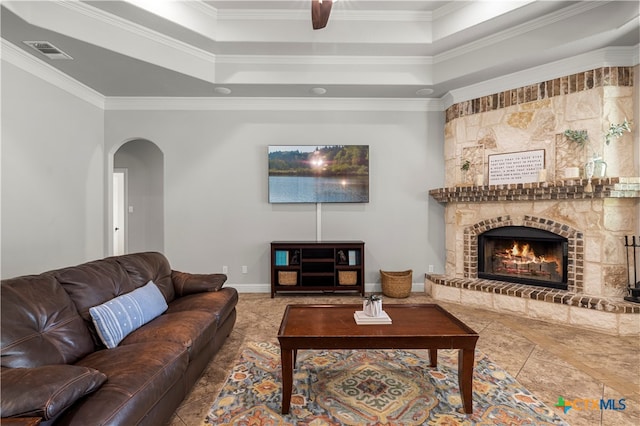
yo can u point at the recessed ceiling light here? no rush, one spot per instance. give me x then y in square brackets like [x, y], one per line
[424, 92]
[318, 90]
[222, 90]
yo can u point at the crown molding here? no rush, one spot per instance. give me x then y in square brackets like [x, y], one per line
[271, 104]
[136, 29]
[383, 15]
[448, 9]
[516, 31]
[29, 63]
[605, 57]
[203, 8]
[323, 60]
[336, 14]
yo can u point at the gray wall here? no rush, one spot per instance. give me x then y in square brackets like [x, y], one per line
[52, 176]
[55, 183]
[216, 208]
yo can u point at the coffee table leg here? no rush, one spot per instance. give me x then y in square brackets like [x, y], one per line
[287, 378]
[433, 357]
[465, 378]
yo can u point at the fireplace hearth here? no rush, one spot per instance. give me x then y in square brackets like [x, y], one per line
[523, 255]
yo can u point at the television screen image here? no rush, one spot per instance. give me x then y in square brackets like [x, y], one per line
[319, 174]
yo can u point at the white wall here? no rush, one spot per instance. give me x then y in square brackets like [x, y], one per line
[216, 208]
[52, 176]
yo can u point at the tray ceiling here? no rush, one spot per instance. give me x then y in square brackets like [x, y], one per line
[264, 48]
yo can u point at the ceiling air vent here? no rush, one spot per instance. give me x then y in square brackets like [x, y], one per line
[48, 49]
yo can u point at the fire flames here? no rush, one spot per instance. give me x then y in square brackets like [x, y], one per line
[523, 254]
[521, 259]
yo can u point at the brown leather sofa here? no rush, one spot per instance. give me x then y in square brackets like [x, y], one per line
[55, 367]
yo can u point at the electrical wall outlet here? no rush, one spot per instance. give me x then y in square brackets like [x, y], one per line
[225, 269]
[430, 268]
[244, 269]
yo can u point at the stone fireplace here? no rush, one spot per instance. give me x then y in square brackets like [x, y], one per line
[577, 273]
[590, 229]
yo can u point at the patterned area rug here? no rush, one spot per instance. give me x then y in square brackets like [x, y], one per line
[372, 387]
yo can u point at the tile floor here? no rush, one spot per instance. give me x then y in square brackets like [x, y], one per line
[550, 360]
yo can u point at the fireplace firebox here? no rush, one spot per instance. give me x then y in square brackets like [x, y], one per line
[523, 255]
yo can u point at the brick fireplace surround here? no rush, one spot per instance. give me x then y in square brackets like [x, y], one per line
[594, 223]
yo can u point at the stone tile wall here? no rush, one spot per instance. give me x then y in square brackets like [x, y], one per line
[478, 128]
[597, 227]
[599, 77]
[532, 118]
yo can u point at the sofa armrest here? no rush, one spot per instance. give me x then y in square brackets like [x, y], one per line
[46, 391]
[185, 283]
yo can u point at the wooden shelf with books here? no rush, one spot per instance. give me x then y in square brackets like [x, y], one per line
[313, 266]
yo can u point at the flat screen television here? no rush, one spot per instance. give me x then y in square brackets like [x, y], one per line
[319, 174]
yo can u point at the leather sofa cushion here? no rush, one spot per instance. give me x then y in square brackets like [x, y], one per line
[46, 391]
[191, 329]
[138, 375]
[94, 283]
[219, 303]
[40, 324]
[186, 283]
[149, 266]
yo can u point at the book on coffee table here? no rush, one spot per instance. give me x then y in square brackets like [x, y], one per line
[363, 319]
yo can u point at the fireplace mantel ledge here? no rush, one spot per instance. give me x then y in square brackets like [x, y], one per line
[568, 189]
[550, 295]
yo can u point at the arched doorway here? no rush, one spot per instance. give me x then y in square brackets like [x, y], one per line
[138, 198]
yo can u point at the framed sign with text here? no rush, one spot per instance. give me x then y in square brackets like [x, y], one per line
[515, 167]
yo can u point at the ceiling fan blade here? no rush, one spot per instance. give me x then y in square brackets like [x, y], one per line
[320, 10]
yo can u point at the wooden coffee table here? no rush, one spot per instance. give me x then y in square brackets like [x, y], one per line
[417, 326]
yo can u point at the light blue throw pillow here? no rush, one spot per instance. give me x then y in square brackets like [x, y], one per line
[118, 317]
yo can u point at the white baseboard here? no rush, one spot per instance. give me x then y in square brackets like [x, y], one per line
[266, 288]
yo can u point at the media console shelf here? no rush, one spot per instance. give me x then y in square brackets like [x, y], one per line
[310, 266]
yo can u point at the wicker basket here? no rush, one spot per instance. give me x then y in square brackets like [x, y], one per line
[347, 277]
[287, 277]
[396, 284]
